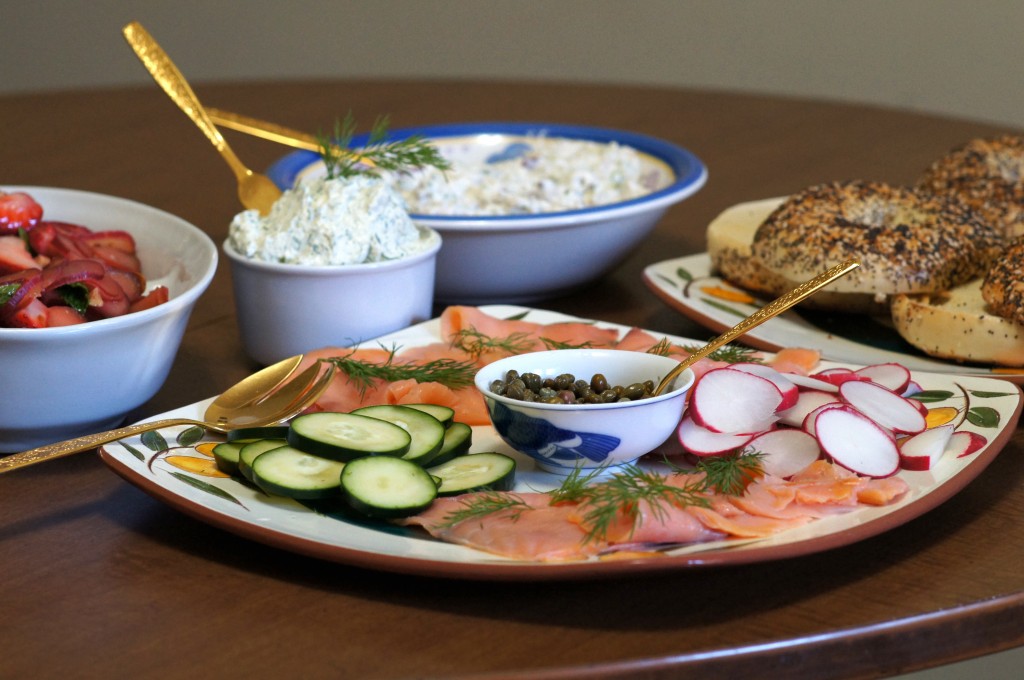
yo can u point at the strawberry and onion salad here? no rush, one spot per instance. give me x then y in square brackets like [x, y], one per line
[59, 274]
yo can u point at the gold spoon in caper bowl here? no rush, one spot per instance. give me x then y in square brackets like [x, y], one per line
[255, 191]
[261, 399]
[772, 309]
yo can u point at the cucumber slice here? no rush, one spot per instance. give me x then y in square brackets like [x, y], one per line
[226, 457]
[254, 433]
[249, 451]
[386, 487]
[426, 431]
[457, 441]
[443, 413]
[487, 471]
[344, 436]
[287, 471]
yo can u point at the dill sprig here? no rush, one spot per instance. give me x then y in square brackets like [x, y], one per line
[448, 372]
[732, 354]
[662, 348]
[607, 501]
[729, 474]
[475, 343]
[396, 155]
[484, 504]
[560, 344]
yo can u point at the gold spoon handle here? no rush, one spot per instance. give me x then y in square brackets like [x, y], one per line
[168, 77]
[274, 132]
[774, 308]
[86, 442]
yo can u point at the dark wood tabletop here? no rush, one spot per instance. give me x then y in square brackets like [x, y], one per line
[98, 579]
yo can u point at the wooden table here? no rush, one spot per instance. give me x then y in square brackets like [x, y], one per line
[100, 580]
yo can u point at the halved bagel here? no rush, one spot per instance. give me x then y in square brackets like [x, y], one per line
[729, 239]
[957, 324]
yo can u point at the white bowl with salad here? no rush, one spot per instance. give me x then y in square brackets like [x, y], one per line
[530, 210]
[85, 336]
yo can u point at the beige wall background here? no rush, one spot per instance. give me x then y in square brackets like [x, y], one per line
[950, 57]
[960, 58]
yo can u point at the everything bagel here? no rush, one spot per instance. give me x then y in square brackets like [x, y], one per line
[907, 242]
[988, 176]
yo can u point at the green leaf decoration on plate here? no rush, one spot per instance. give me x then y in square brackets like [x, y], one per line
[983, 416]
[932, 396]
[154, 441]
[190, 435]
[134, 451]
[990, 395]
[667, 280]
[208, 488]
[725, 308]
[518, 317]
[684, 274]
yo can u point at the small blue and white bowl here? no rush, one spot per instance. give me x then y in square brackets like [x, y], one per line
[523, 257]
[565, 437]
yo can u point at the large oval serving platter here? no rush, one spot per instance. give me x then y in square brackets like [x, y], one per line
[985, 406]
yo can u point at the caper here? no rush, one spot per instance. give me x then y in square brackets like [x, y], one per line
[511, 374]
[498, 386]
[609, 396]
[599, 383]
[565, 381]
[634, 391]
[567, 396]
[515, 390]
[532, 380]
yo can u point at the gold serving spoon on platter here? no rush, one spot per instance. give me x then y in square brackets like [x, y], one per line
[772, 309]
[258, 400]
[256, 191]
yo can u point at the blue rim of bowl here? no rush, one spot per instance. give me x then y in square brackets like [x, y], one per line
[690, 173]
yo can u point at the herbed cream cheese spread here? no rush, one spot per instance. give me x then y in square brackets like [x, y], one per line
[536, 175]
[340, 221]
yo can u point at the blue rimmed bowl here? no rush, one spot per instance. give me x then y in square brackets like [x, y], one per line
[561, 438]
[528, 257]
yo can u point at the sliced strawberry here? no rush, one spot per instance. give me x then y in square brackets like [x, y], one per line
[14, 255]
[62, 315]
[157, 296]
[116, 258]
[114, 238]
[31, 315]
[18, 210]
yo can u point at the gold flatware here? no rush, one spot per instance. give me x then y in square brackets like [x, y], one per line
[274, 132]
[256, 401]
[256, 191]
[774, 308]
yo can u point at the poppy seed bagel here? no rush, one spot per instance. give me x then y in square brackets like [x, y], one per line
[906, 242]
[987, 175]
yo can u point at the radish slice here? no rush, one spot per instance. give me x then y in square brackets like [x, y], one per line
[807, 382]
[808, 424]
[701, 441]
[786, 386]
[786, 452]
[885, 407]
[893, 376]
[837, 376]
[806, 402]
[965, 443]
[734, 402]
[911, 389]
[923, 450]
[856, 442]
